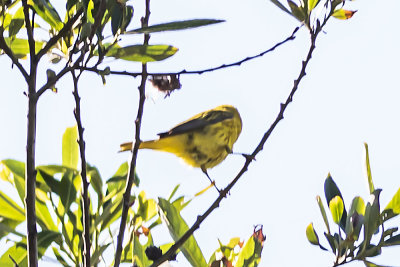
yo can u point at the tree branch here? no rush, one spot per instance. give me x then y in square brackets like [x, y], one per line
[138, 122]
[29, 31]
[85, 183]
[223, 66]
[249, 159]
[67, 27]
[10, 54]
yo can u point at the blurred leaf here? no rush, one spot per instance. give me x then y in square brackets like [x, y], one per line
[147, 207]
[176, 25]
[312, 4]
[97, 255]
[355, 218]
[95, 179]
[44, 218]
[336, 206]
[47, 12]
[13, 171]
[393, 207]
[371, 218]
[368, 166]
[116, 17]
[8, 226]
[89, 12]
[67, 191]
[331, 241]
[138, 251]
[312, 235]
[173, 192]
[142, 53]
[331, 191]
[250, 254]
[282, 7]
[177, 227]
[9, 209]
[17, 22]
[117, 182]
[60, 258]
[371, 264]
[394, 240]
[343, 14]
[70, 147]
[110, 212]
[323, 213]
[297, 11]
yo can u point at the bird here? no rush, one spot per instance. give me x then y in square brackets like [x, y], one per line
[203, 141]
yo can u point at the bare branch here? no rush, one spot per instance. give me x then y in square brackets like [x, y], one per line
[223, 66]
[85, 183]
[29, 31]
[138, 122]
[249, 159]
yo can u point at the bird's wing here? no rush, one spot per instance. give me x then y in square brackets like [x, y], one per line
[198, 122]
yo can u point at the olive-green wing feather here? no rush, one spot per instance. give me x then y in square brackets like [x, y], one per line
[198, 122]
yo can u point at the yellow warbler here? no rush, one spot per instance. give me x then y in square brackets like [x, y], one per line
[202, 141]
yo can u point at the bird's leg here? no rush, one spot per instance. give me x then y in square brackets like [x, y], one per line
[247, 156]
[212, 182]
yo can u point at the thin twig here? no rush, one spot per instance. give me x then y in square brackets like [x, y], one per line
[29, 31]
[138, 122]
[85, 183]
[223, 66]
[249, 159]
[62, 33]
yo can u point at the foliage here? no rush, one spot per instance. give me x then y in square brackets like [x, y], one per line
[356, 230]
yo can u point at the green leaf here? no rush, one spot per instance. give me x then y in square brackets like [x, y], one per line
[393, 207]
[177, 227]
[331, 191]
[323, 213]
[394, 240]
[97, 255]
[16, 23]
[60, 258]
[312, 235]
[147, 207]
[95, 179]
[282, 7]
[138, 251]
[67, 191]
[336, 206]
[371, 218]
[44, 218]
[343, 14]
[173, 192]
[8, 226]
[297, 11]
[176, 25]
[89, 12]
[355, 218]
[70, 148]
[9, 209]
[47, 12]
[142, 53]
[250, 254]
[367, 166]
[312, 4]
[116, 17]
[111, 212]
[20, 47]
[13, 171]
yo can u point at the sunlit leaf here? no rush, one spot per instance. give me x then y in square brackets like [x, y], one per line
[176, 25]
[312, 235]
[343, 14]
[20, 47]
[336, 206]
[250, 253]
[355, 218]
[16, 23]
[368, 170]
[331, 191]
[9, 209]
[142, 53]
[312, 4]
[47, 12]
[177, 227]
[323, 213]
[393, 207]
[70, 148]
[8, 226]
[138, 251]
[67, 191]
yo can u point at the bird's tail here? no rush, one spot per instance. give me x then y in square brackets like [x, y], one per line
[160, 144]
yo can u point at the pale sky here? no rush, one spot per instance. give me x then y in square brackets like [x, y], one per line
[349, 96]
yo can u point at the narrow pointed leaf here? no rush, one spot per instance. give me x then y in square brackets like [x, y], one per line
[9, 209]
[70, 148]
[368, 170]
[142, 53]
[331, 191]
[281, 6]
[47, 12]
[176, 25]
[393, 207]
[177, 227]
[323, 213]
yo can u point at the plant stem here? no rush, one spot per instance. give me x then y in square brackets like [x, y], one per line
[85, 183]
